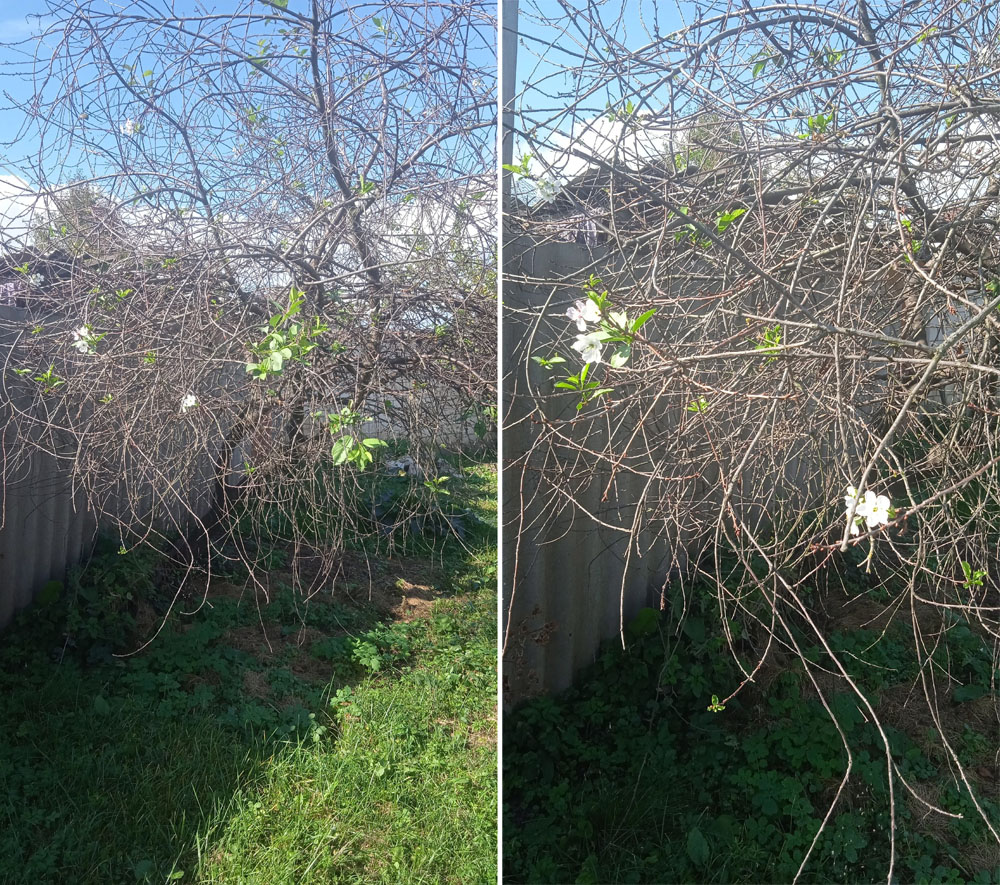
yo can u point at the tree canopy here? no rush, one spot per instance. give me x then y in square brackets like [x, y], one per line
[280, 218]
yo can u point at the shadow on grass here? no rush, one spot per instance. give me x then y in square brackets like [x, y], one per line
[285, 743]
[630, 777]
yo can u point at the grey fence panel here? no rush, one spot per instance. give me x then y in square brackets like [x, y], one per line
[571, 576]
[45, 522]
[44, 527]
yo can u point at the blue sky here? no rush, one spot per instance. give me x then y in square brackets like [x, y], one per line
[545, 46]
[15, 64]
[15, 27]
[553, 40]
[23, 25]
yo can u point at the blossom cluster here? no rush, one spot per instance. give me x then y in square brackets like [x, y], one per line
[874, 509]
[588, 344]
[84, 340]
[612, 327]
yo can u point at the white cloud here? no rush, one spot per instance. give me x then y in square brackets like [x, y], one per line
[961, 164]
[21, 210]
[630, 145]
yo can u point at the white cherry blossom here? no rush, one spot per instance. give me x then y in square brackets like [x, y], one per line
[877, 510]
[83, 340]
[589, 346]
[873, 509]
[583, 312]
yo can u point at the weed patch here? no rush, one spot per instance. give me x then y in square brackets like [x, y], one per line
[628, 777]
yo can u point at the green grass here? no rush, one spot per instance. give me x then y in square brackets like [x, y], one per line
[628, 777]
[357, 748]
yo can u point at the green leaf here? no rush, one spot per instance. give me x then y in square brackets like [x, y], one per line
[341, 450]
[101, 706]
[361, 457]
[374, 443]
[643, 319]
[715, 706]
[644, 623]
[521, 168]
[548, 363]
[964, 693]
[757, 68]
[728, 218]
[694, 629]
[620, 357]
[697, 848]
[50, 593]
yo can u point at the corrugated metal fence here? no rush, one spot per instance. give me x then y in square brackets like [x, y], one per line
[571, 574]
[44, 525]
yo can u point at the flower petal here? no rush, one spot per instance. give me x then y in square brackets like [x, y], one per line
[589, 347]
[591, 312]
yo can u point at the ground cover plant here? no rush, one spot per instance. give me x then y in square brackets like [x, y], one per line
[347, 737]
[636, 775]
